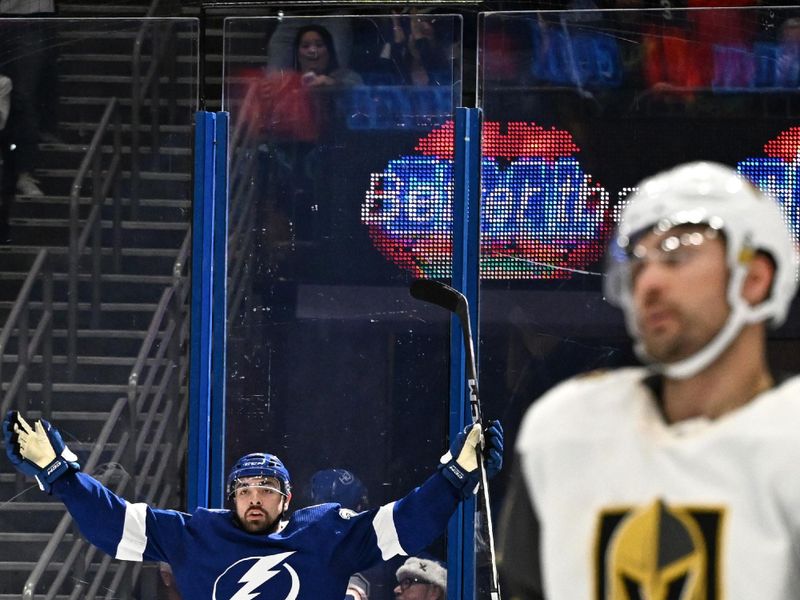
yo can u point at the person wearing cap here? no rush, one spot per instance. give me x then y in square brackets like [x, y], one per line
[678, 478]
[255, 548]
[421, 579]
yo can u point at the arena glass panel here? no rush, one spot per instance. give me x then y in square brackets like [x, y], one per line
[338, 199]
[99, 344]
[579, 107]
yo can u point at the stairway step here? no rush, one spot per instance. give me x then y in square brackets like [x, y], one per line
[29, 538]
[107, 224]
[186, 100]
[86, 306]
[98, 388]
[161, 260]
[103, 333]
[102, 10]
[99, 361]
[89, 128]
[85, 200]
[146, 175]
[27, 567]
[160, 280]
[108, 149]
[54, 506]
[116, 79]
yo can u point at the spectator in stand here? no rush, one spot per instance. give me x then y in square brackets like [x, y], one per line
[281, 104]
[5, 105]
[422, 57]
[421, 579]
[28, 57]
[5, 100]
[316, 60]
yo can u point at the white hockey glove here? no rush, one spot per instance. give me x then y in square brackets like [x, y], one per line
[37, 451]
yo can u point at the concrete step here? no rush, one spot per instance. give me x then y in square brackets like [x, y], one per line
[102, 9]
[58, 181]
[114, 316]
[150, 209]
[122, 287]
[133, 260]
[143, 234]
[72, 152]
[116, 36]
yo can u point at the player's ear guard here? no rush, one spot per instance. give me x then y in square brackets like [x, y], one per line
[37, 451]
[460, 464]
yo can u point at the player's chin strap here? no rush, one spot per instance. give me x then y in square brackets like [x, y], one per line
[741, 314]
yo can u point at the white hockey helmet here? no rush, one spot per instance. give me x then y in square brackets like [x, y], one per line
[717, 196]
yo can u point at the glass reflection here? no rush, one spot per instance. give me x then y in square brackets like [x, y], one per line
[332, 365]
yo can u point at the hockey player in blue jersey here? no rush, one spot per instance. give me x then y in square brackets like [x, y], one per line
[252, 551]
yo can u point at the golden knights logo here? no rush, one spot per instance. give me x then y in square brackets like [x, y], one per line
[659, 552]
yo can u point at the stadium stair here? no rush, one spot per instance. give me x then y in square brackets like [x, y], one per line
[95, 65]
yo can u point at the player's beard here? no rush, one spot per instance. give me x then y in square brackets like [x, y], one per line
[264, 527]
[673, 335]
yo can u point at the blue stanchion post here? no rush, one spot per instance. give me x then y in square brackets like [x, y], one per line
[219, 334]
[197, 491]
[466, 257]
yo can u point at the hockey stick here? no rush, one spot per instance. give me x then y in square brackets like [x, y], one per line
[440, 294]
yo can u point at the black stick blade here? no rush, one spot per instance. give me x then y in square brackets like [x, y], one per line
[436, 292]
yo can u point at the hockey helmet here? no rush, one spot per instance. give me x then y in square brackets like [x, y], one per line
[338, 485]
[714, 195]
[258, 464]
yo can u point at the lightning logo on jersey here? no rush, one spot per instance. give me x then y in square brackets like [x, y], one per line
[244, 578]
[659, 552]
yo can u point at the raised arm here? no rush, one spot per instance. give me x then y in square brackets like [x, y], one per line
[409, 525]
[124, 530]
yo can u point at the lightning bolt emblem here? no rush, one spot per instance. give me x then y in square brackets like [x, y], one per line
[262, 571]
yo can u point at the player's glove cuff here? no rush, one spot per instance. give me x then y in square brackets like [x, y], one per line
[45, 477]
[460, 464]
[464, 481]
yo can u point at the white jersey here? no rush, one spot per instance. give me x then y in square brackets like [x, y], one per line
[631, 507]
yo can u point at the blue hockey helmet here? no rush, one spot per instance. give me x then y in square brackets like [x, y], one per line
[259, 464]
[338, 485]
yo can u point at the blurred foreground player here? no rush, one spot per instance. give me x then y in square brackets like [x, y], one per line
[678, 479]
[253, 550]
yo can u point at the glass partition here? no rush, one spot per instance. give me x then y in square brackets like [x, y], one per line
[579, 106]
[95, 128]
[341, 193]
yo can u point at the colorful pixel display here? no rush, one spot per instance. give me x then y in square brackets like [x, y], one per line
[542, 216]
[777, 174]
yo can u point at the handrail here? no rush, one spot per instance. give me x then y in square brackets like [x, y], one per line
[172, 306]
[79, 239]
[163, 394]
[18, 319]
[162, 310]
[161, 54]
[57, 537]
[241, 208]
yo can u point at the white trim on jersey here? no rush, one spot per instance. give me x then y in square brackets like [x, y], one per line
[134, 533]
[385, 531]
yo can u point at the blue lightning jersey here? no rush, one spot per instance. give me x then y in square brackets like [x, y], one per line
[311, 558]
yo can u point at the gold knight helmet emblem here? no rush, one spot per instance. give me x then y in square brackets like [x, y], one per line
[657, 553]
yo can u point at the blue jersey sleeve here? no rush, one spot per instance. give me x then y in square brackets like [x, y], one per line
[401, 528]
[124, 530]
